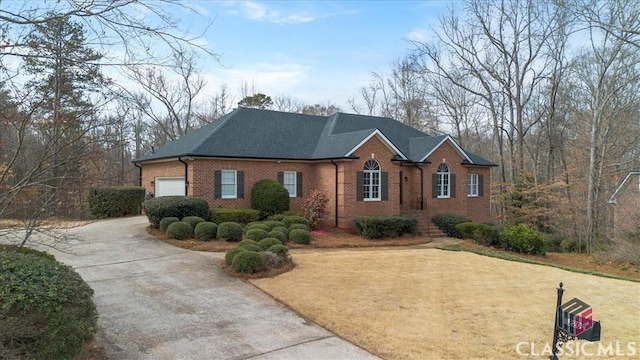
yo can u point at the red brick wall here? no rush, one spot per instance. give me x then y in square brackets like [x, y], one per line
[627, 208]
[350, 207]
[478, 208]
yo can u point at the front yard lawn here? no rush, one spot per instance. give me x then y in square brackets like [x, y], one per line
[434, 304]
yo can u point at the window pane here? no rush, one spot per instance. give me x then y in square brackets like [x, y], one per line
[228, 184]
[289, 180]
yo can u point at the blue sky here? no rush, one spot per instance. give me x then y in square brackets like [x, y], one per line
[314, 51]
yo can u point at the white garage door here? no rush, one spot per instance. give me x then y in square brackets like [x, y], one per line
[169, 186]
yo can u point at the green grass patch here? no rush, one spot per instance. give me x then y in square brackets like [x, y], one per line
[511, 257]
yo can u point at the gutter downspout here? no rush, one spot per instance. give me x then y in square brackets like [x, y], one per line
[421, 187]
[336, 192]
[139, 173]
[186, 176]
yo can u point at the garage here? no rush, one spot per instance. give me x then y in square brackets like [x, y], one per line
[167, 186]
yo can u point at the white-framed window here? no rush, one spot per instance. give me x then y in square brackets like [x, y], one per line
[371, 181]
[228, 184]
[289, 181]
[444, 181]
[472, 185]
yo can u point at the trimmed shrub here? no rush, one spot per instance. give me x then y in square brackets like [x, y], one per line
[229, 231]
[247, 262]
[281, 250]
[521, 238]
[46, 309]
[258, 226]
[116, 201]
[175, 206]
[276, 217]
[300, 236]
[282, 229]
[293, 219]
[273, 224]
[447, 223]
[268, 242]
[192, 220]
[248, 241]
[239, 215]
[250, 247]
[28, 251]
[269, 197]
[378, 227]
[179, 230]
[165, 222]
[231, 253]
[299, 226]
[482, 234]
[313, 208]
[277, 235]
[256, 234]
[205, 231]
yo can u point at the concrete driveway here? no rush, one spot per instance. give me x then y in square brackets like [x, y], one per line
[156, 301]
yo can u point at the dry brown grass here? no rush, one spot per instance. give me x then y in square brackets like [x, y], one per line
[434, 304]
[48, 223]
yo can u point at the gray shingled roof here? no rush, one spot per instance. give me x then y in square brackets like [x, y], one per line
[265, 134]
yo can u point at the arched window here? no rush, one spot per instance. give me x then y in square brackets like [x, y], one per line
[444, 181]
[371, 180]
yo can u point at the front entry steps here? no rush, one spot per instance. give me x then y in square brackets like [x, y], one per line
[425, 226]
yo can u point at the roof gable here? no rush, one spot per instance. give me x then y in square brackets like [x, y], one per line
[453, 143]
[382, 138]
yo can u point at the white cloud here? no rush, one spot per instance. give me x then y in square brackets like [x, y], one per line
[418, 35]
[258, 11]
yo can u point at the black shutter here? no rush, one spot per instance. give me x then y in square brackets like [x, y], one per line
[217, 184]
[384, 186]
[281, 177]
[401, 184]
[359, 185]
[299, 184]
[480, 185]
[240, 185]
[434, 185]
[452, 178]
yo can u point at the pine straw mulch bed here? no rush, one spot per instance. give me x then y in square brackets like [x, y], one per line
[326, 239]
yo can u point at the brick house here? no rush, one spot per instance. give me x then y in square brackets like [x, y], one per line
[626, 205]
[366, 165]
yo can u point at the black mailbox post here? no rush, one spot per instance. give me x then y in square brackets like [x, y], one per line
[573, 321]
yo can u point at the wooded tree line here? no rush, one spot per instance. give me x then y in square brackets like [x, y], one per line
[546, 89]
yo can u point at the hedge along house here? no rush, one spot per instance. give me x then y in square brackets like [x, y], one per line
[365, 165]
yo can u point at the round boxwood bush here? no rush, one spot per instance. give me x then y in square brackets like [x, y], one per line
[179, 230]
[259, 226]
[205, 231]
[294, 219]
[282, 229]
[192, 220]
[250, 247]
[269, 197]
[273, 224]
[277, 235]
[26, 250]
[248, 241]
[175, 206]
[281, 250]
[256, 234]
[268, 242]
[247, 262]
[165, 222]
[229, 231]
[231, 253]
[299, 226]
[300, 236]
[51, 304]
